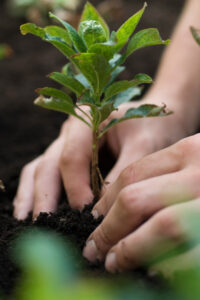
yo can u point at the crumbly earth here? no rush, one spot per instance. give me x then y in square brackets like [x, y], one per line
[26, 130]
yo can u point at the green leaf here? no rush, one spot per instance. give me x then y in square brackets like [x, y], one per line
[92, 32]
[69, 82]
[96, 69]
[52, 92]
[120, 86]
[113, 37]
[126, 96]
[57, 104]
[59, 43]
[60, 105]
[106, 110]
[114, 61]
[143, 111]
[81, 78]
[126, 30]
[145, 38]
[142, 78]
[108, 50]
[74, 36]
[58, 32]
[33, 29]
[63, 48]
[196, 34]
[90, 13]
[86, 100]
[114, 75]
[67, 69]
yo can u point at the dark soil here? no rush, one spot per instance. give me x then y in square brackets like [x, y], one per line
[26, 130]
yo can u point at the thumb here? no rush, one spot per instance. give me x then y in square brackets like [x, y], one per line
[75, 163]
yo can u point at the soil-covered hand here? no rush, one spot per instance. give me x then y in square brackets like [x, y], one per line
[144, 210]
[68, 159]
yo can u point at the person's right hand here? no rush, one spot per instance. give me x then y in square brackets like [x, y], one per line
[68, 159]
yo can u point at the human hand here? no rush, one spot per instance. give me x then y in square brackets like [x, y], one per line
[144, 209]
[40, 180]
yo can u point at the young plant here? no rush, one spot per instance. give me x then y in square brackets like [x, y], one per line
[96, 59]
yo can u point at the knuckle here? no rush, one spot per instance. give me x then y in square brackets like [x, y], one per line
[103, 240]
[40, 167]
[127, 200]
[167, 225]
[190, 144]
[26, 169]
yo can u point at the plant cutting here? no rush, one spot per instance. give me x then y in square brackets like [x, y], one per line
[96, 58]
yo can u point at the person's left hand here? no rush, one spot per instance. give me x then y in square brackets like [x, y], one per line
[158, 190]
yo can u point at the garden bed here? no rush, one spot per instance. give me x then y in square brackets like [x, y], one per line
[27, 130]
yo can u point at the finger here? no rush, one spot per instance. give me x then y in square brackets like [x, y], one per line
[47, 180]
[75, 163]
[157, 237]
[169, 161]
[180, 263]
[138, 202]
[23, 202]
[129, 153]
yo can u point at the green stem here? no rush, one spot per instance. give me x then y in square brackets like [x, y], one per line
[83, 112]
[95, 162]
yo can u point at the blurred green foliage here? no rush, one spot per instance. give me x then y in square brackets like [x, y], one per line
[37, 10]
[5, 51]
[49, 273]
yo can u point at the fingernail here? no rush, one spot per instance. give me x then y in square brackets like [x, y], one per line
[111, 262]
[90, 251]
[20, 215]
[34, 217]
[95, 214]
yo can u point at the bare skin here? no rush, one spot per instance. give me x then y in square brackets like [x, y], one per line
[160, 188]
[145, 177]
[147, 190]
[40, 180]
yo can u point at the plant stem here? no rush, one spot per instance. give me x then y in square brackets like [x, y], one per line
[95, 167]
[81, 110]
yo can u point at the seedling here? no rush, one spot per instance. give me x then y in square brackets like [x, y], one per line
[96, 59]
